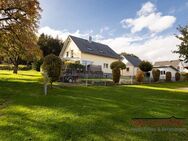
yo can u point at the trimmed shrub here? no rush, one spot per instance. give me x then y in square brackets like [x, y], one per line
[116, 67]
[140, 76]
[52, 65]
[145, 66]
[185, 76]
[168, 76]
[177, 76]
[116, 75]
[156, 74]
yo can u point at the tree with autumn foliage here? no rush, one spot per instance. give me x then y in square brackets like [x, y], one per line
[18, 27]
[15, 51]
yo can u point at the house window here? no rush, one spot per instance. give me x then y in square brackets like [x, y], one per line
[105, 65]
[67, 54]
[127, 69]
[72, 53]
[163, 72]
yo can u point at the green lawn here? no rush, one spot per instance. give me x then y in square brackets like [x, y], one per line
[86, 113]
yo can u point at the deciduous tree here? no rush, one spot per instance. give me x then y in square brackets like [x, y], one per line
[18, 26]
[52, 66]
[24, 13]
[145, 66]
[50, 45]
[183, 46]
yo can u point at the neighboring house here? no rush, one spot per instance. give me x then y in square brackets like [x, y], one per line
[172, 66]
[132, 62]
[177, 64]
[186, 67]
[164, 69]
[88, 52]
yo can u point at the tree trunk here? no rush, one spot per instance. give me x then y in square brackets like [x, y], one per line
[15, 70]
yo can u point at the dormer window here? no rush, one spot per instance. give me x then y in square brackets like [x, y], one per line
[89, 48]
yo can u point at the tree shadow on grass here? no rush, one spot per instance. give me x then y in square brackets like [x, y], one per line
[87, 113]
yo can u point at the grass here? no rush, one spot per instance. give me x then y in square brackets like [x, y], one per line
[86, 113]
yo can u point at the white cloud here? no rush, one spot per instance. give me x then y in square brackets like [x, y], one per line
[153, 49]
[150, 48]
[63, 34]
[149, 18]
[146, 9]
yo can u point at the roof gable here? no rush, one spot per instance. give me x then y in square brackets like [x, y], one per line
[94, 48]
[134, 60]
[174, 63]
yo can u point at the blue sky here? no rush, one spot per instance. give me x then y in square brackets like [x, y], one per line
[133, 26]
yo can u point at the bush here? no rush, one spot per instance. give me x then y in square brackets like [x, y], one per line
[52, 65]
[6, 67]
[140, 76]
[36, 65]
[145, 66]
[156, 74]
[116, 75]
[116, 67]
[168, 76]
[10, 67]
[185, 76]
[177, 76]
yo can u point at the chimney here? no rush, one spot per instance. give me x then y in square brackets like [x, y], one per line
[90, 39]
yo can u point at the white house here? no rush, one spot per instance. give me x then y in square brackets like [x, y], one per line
[177, 64]
[172, 66]
[132, 62]
[164, 69]
[88, 52]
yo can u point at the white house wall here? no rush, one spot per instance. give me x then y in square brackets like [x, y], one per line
[132, 70]
[169, 69]
[76, 52]
[99, 60]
